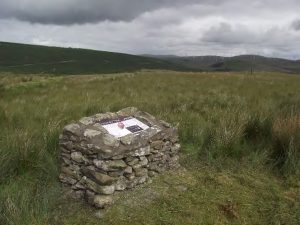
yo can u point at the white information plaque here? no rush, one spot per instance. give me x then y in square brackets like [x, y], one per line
[124, 125]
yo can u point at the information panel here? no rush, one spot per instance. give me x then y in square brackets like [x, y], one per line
[124, 125]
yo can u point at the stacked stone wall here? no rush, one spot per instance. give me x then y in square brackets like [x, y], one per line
[95, 164]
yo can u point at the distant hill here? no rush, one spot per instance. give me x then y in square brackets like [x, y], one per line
[236, 63]
[23, 58]
[35, 59]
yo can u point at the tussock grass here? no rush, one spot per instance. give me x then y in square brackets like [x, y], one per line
[286, 143]
[240, 138]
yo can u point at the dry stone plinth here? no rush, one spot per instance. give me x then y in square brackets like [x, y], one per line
[107, 153]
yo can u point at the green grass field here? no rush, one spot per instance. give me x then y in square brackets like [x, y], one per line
[240, 137]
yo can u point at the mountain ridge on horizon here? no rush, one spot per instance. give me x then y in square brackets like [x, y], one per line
[218, 56]
[234, 63]
[38, 59]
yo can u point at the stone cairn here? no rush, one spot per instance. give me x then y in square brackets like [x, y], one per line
[96, 164]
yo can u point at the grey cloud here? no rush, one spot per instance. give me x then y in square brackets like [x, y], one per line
[296, 25]
[226, 33]
[180, 27]
[84, 11]
[242, 39]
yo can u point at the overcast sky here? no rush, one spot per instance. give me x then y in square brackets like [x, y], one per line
[179, 27]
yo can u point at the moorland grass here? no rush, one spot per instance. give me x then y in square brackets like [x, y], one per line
[239, 132]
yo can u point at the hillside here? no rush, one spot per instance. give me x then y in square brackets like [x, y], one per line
[34, 59]
[236, 63]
